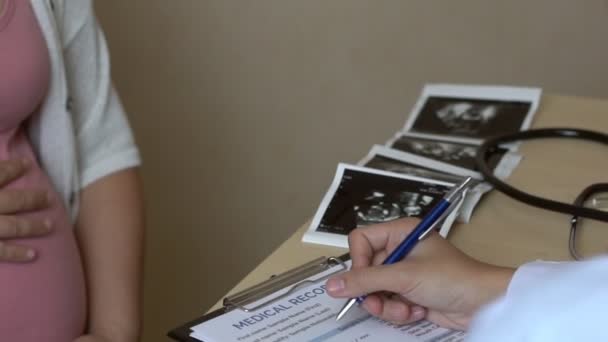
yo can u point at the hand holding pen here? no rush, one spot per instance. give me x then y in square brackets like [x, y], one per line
[436, 281]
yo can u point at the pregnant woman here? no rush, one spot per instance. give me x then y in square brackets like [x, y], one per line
[70, 207]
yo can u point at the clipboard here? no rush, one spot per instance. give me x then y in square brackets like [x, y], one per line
[291, 280]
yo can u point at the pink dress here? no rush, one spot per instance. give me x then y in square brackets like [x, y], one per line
[45, 300]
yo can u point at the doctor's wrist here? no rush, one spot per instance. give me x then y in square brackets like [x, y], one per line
[495, 281]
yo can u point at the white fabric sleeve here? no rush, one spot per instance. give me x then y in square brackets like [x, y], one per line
[549, 302]
[104, 140]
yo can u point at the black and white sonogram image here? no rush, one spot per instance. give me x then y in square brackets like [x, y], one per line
[398, 166]
[365, 198]
[470, 118]
[458, 154]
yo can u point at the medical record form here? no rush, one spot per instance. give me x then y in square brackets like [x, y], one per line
[309, 314]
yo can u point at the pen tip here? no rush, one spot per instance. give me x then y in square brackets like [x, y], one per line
[340, 315]
[345, 308]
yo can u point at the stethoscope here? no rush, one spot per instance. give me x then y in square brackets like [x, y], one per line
[576, 209]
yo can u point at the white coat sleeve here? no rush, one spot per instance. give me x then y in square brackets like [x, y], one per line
[104, 139]
[549, 302]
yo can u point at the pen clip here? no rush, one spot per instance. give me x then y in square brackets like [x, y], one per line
[445, 214]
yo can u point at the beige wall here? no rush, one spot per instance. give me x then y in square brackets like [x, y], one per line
[243, 108]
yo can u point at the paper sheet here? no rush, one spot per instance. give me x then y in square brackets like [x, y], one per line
[416, 165]
[309, 315]
[471, 113]
[360, 196]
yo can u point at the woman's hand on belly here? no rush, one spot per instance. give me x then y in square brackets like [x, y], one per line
[13, 202]
[91, 338]
[96, 338]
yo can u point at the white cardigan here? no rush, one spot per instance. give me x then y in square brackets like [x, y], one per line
[549, 302]
[81, 132]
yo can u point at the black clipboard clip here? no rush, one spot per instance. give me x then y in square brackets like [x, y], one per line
[292, 280]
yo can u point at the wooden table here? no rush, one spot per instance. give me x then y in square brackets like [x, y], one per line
[502, 230]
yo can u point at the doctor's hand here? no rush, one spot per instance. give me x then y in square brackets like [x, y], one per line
[13, 202]
[435, 281]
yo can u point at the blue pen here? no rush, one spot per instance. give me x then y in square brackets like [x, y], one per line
[428, 223]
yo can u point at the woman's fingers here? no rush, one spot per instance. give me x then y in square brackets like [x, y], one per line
[15, 253]
[11, 170]
[17, 201]
[13, 227]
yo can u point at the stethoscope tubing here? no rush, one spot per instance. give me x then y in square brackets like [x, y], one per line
[491, 145]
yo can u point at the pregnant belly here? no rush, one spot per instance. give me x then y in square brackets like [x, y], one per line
[45, 300]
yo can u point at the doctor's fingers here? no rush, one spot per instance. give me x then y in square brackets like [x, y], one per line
[396, 278]
[367, 243]
[11, 170]
[13, 227]
[393, 308]
[15, 253]
[15, 201]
